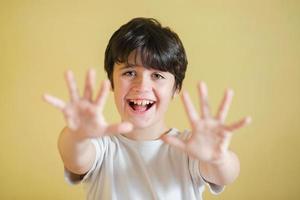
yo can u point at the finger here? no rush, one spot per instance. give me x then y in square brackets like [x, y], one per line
[205, 110]
[72, 86]
[119, 128]
[103, 94]
[56, 102]
[237, 125]
[225, 104]
[89, 84]
[189, 107]
[174, 141]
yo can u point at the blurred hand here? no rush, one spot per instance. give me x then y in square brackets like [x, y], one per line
[84, 116]
[210, 137]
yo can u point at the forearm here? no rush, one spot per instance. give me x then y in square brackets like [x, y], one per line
[77, 154]
[223, 172]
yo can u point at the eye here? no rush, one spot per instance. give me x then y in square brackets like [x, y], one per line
[129, 73]
[157, 76]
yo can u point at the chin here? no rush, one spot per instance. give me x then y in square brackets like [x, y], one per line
[140, 124]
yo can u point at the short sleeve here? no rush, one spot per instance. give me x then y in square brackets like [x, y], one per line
[71, 178]
[199, 180]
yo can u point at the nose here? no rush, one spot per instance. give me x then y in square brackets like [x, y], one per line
[142, 84]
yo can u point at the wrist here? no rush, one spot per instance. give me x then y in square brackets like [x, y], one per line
[74, 135]
[221, 160]
[222, 171]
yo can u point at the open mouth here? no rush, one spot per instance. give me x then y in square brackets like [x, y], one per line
[140, 105]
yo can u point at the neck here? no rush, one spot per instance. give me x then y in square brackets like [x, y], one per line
[148, 133]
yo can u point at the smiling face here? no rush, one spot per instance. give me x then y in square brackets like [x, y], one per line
[142, 95]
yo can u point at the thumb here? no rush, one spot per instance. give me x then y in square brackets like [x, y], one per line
[174, 141]
[118, 128]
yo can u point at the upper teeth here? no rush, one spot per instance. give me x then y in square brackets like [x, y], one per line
[141, 102]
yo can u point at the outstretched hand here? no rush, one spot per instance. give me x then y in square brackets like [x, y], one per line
[210, 137]
[84, 116]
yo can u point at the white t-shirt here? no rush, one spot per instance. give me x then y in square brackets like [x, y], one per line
[128, 169]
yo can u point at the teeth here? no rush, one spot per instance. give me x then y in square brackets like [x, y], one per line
[141, 102]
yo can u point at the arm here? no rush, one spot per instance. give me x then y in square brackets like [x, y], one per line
[77, 154]
[210, 139]
[85, 120]
[222, 173]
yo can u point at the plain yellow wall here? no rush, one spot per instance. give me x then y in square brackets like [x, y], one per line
[251, 46]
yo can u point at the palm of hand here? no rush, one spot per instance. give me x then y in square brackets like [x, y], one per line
[84, 116]
[208, 141]
[210, 137]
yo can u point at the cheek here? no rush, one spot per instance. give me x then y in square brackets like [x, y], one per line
[166, 96]
[119, 95]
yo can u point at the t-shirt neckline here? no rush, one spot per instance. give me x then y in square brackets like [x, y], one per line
[170, 132]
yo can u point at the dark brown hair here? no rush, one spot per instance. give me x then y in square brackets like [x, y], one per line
[159, 47]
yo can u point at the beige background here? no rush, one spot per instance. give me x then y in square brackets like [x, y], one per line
[251, 46]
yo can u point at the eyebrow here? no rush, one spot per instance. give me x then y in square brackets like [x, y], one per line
[128, 65]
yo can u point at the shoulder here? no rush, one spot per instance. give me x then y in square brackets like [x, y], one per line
[106, 142]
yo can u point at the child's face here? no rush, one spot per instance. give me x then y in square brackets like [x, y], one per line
[142, 95]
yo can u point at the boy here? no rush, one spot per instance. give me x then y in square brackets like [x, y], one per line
[140, 157]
